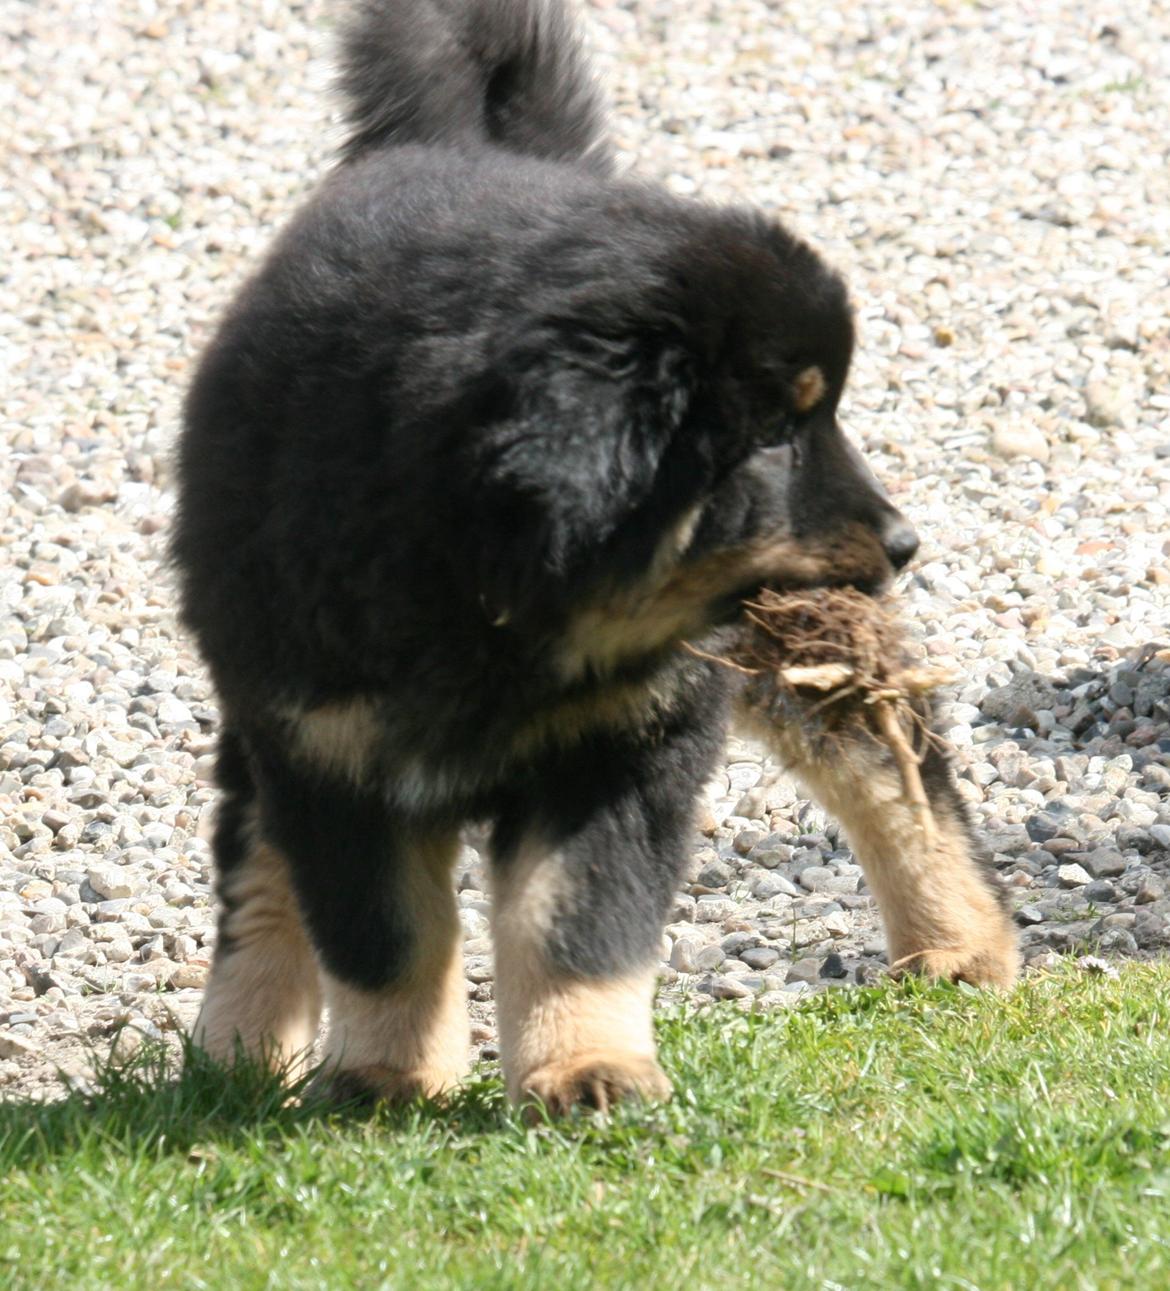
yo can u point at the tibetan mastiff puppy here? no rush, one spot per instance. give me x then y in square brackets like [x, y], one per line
[491, 433]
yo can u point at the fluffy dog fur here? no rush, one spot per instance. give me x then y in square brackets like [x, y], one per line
[489, 435]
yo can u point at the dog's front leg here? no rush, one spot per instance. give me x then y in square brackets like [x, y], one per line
[943, 907]
[569, 1035]
[583, 878]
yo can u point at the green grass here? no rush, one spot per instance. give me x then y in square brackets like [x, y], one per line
[899, 1136]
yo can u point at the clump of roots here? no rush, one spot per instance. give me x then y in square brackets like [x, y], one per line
[834, 662]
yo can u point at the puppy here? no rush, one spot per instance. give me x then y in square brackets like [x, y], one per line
[490, 434]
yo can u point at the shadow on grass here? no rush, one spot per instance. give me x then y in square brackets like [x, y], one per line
[172, 1104]
[162, 1104]
[739, 1078]
[180, 1105]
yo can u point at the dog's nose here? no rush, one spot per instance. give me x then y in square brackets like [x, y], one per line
[899, 540]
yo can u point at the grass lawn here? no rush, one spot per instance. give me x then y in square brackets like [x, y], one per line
[899, 1136]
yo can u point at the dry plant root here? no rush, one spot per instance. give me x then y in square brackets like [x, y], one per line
[834, 659]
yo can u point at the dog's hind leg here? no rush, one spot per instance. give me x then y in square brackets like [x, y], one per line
[403, 1032]
[379, 907]
[943, 907]
[262, 997]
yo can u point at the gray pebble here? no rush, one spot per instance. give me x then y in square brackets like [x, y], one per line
[766, 886]
[727, 988]
[1104, 863]
[759, 957]
[713, 909]
[714, 874]
[804, 970]
[815, 877]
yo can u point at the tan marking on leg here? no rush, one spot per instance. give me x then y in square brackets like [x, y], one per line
[413, 1037]
[940, 914]
[339, 738]
[667, 607]
[263, 992]
[567, 1041]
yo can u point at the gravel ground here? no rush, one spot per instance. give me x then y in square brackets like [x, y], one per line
[995, 183]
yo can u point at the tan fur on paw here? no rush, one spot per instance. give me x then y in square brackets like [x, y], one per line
[995, 964]
[371, 1085]
[596, 1081]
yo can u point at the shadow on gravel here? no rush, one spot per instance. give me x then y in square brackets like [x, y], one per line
[190, 1106]
[1087, 837]
[1121, 706]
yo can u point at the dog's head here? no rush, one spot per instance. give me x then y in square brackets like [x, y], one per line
[662, 441]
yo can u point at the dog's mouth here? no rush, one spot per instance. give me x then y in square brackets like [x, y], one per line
[851, 557]
[730, 607]
[709, 591]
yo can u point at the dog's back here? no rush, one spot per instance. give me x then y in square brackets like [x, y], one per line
[469, 72]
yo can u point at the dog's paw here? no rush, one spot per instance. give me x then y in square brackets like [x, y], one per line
[994, 962]
[367, 1086]
[596, 1081]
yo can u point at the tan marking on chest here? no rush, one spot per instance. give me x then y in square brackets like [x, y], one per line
[341, 738]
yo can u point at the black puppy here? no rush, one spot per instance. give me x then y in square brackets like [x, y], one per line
[487, 437]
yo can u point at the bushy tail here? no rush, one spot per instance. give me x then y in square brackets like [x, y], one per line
[452, 71]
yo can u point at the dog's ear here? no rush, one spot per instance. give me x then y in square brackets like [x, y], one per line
[807, 388]
[570, 456]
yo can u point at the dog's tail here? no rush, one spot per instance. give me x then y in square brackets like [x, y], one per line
[509, 72]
